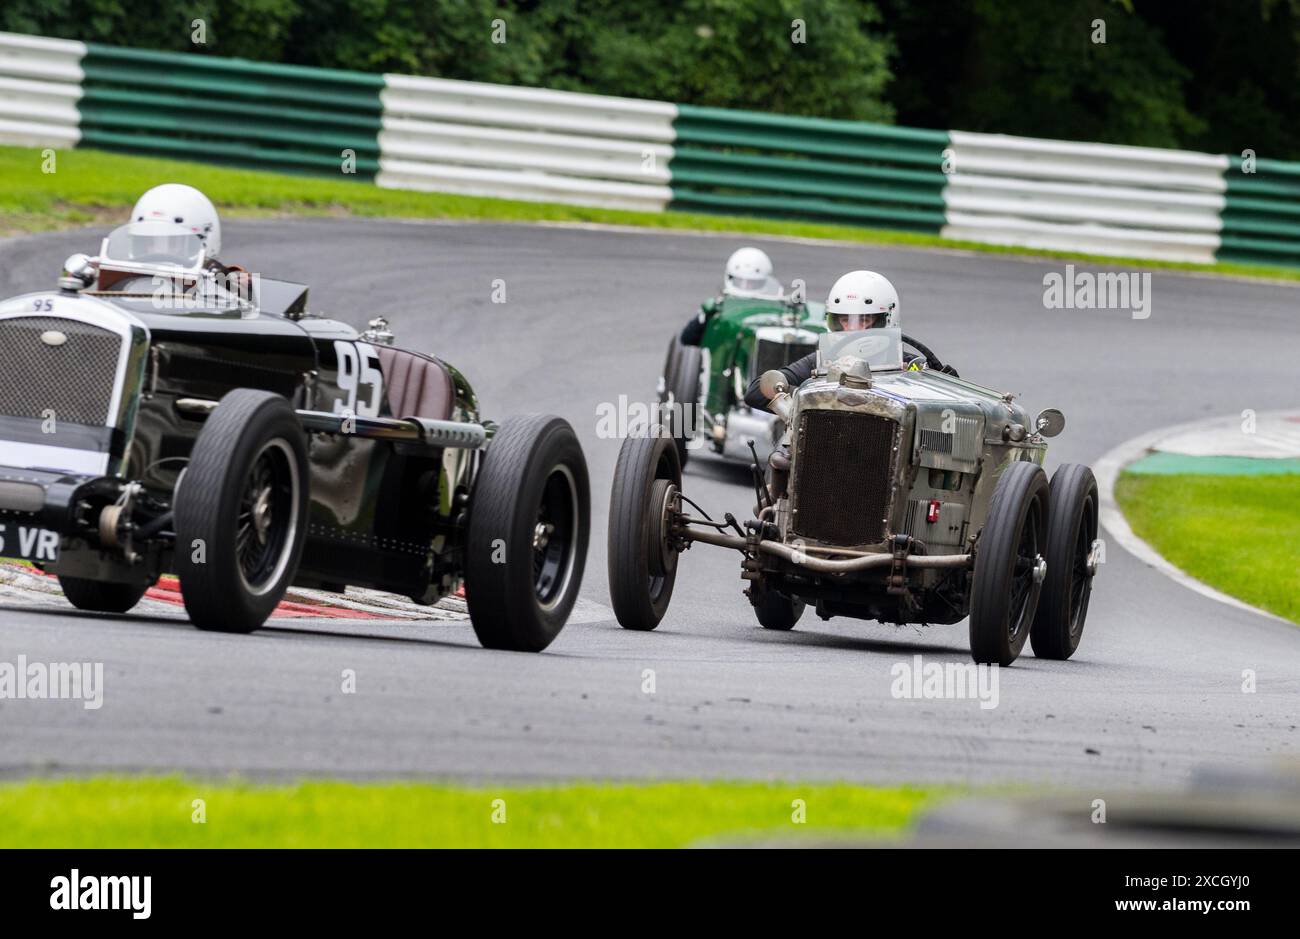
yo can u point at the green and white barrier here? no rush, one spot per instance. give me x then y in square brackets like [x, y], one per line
[525, 143]
[850, 172]
[1099, 198]
[1261, 218]
[40, 85]
[407, 132]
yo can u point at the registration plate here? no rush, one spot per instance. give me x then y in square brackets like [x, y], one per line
[28, 542]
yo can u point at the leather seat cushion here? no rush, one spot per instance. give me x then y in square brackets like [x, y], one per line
[416, 385]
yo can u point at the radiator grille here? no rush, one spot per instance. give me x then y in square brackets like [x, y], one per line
[842, 476]
[74, 380]
[769, 354]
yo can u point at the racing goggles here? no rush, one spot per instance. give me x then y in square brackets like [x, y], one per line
[746, 283]
[848, 322]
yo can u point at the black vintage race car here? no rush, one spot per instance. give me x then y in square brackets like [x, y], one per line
[159, 413]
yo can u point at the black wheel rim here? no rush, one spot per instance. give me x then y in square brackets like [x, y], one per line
[268, 516]
[1080, 587]
[555, 537]
[1023, 584]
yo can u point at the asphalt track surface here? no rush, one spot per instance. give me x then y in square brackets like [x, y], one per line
[1154, 692]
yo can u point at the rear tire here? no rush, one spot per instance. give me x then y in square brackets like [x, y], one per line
[641, 573]
[532, 501]
[1004, 595]
[683, 398]
[99, 596]
[241, 512]
[1071, 530]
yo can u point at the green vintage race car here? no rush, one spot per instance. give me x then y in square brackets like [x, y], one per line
[702, 388]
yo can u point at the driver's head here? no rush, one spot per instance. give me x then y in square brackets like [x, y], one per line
[183, 206]
[861, 300]
[748, 270]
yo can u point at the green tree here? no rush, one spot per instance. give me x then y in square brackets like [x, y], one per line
[477, 40]
[828, 58]
[1039, 70]
[256, 29]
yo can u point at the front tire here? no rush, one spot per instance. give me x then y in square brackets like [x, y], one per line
[99, 596]
[669, 375]
[241, 512]
[1007, 577]
[683, 398]
[774, 609]
[529, 523]
[1071, 531]
[642, 570]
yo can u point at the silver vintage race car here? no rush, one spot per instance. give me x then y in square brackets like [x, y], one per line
[903, 495]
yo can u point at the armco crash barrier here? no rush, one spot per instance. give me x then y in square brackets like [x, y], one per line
[850, 172]
[435, 134]
[278, 117]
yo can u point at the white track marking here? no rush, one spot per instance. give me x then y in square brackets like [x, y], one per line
[1107, 470]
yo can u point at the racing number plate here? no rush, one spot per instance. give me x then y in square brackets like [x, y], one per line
[28, 542]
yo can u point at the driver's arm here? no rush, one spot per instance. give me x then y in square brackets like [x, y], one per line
[693, 332]
[796, 373]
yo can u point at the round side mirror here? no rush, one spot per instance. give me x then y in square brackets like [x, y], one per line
[773, 383]
[1050, 422]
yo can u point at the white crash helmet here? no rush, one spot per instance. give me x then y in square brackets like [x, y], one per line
[862, 300]
[748, 270]
[184, 206]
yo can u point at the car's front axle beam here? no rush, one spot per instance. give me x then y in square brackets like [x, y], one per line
[864, 562]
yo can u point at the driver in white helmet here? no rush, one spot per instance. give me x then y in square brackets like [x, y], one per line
[748, 274]
[168, 220]
[858, 300]
[184, 208]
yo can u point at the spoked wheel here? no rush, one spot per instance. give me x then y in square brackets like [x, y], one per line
[241, 512]
[1071, 563]
[682, 397]
[642, 562]
[266, 509]
[529, 522]
[1009, 565]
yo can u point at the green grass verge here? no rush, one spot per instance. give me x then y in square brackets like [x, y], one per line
[92, 186]
[1240, 534]
[158, 812]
